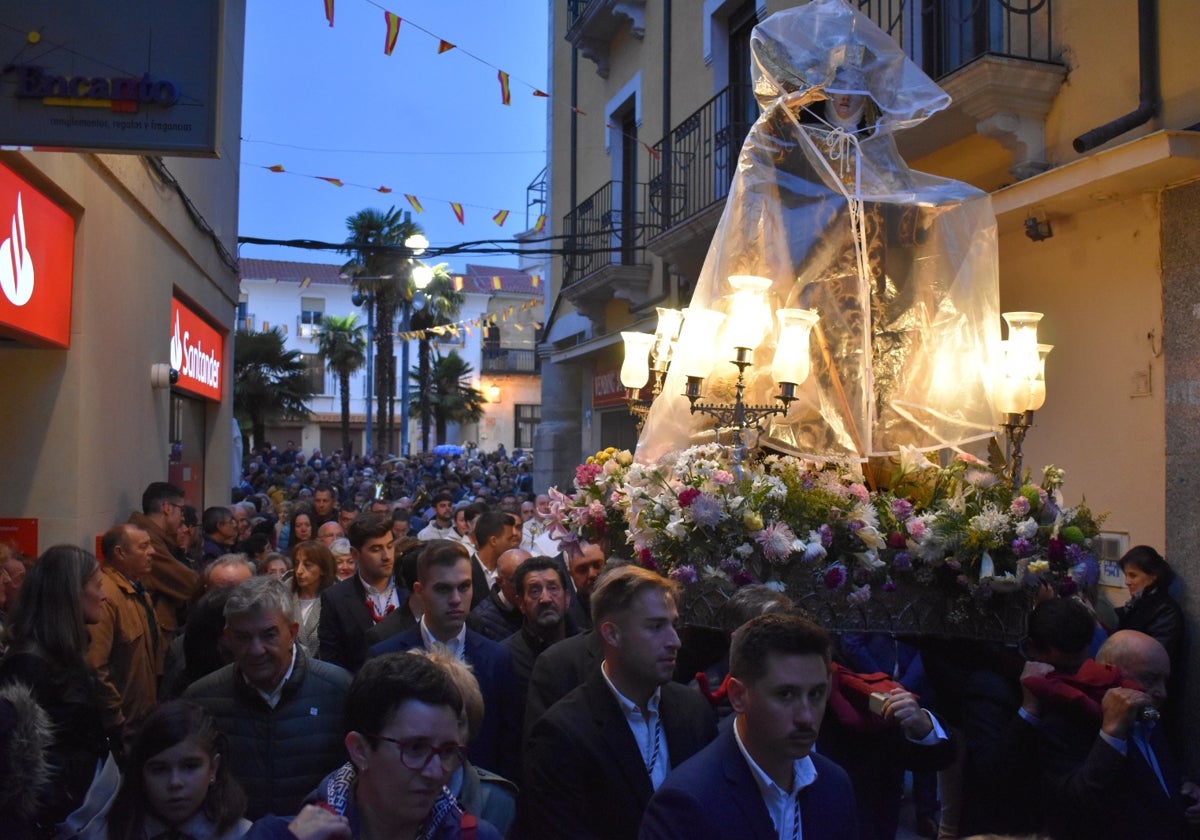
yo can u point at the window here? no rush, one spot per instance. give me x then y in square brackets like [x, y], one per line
[527, 419]
[314, 368]
[312, 313]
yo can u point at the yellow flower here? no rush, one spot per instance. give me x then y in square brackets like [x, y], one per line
[624, 458]
[610, 450]
[752, 520]
[601, 457]
[590, 460]
[1038, 567]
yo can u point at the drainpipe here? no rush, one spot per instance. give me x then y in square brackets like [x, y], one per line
[1148, 100]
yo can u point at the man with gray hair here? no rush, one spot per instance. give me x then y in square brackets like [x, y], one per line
[280, 712]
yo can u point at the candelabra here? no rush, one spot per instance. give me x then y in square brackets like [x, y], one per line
[1021, 386]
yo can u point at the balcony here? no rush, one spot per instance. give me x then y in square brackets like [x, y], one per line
[510, 360]
[592, 24]
[606, 258]
[996, 58]
[691, 173]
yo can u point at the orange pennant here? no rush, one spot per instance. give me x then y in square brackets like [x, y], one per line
[458, 211]
[337, 182]
[444, 46]
[329, 11]
[458, 284]
[383, 189]
[393, 32]
[505, 94]
[537, 92]
[276, 168]
[500, 218]
[579, 112]
[416, 205]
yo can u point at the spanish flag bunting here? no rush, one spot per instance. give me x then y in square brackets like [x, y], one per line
[458, 284]
[458, 211]
[444, 46]
[653, 152]
[276, 168]
[511, 310]
[306, 282]
[537, 325]
[577, 111]
[505, 94]
[540, 225]
[497, 284]
[500, 218]
[535, 280]
[518, 326]
[383, 189]
[393, 32]
[416, 205]
[537, 92]
[329, 11]
[337, 182]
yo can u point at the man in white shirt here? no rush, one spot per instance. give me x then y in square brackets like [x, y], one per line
[442, 526]
[760, 778]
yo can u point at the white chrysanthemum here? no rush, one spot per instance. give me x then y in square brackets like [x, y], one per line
[1027, 528]
[744, 550]
[991, 520]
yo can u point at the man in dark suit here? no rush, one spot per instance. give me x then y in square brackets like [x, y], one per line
[352, 607]
[594, 759]
[444, 587]
[760, 777]
[1122, 780]
[562, 667]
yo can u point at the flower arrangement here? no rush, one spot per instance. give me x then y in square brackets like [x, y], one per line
[811, 528]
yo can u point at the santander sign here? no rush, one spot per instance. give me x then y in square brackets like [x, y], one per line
[197, 350]
[37, 254]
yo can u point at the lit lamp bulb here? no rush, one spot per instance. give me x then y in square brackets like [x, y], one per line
[696, 352]
[792, 361]
[749, 315]
[422, 275]
[635, 370]
[669, 321]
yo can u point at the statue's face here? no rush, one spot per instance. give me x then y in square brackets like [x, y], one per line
[847, 105]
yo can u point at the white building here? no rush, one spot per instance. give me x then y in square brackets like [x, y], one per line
[295, 296]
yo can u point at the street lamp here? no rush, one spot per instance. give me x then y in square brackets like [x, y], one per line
[421, 275]
[367, 300]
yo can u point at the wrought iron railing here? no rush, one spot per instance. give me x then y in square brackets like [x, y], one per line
[693, 167]
[509, 360]
[942, 36]
[609, 227]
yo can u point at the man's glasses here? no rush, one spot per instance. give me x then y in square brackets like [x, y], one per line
[415, 755]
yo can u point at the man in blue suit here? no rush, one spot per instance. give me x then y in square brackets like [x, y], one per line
[760, 777]
[443, 584]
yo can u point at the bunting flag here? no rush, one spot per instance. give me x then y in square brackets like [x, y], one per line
[541, 93]
[505, 94]
[535, 280]
[329, 11]
[416, 205]
[444, 46]
[653, 152]
[337, 182]
[540, 225]
[458, 212]
[458, 284]
[383, 189]
[577, 111]
[500, 218]
[496, 283]
[307, 281]
[393, 32]
[276, 168]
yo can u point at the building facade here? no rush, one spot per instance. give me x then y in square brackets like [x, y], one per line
[296, 296]
[1082, 119]
[132, 383]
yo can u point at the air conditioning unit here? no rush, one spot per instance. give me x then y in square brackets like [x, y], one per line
[1109, 548]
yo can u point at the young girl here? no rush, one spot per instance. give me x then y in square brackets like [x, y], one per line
[175, 783]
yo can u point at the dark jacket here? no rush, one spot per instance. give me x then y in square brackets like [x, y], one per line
[714, 795]
[495, 619]
[278, 754]
[345, 620]
[1155, 613]
[558, 671]
[585, 777]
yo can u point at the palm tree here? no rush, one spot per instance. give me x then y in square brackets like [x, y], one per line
[449, 394]
[340, 341]
[382, 270]
[442, 302]
[269, 382]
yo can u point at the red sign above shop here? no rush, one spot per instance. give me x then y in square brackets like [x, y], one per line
[37, 257]
[607, 390]
[197, 352]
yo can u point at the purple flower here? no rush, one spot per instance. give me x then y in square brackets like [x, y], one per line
[742, 577]
[859, 596]
[953, 565]
[730, 565]
[826, 535]
[1056, 549]
[776, 541]
[1086, 571]
[857, 525]
[1068, 587]
[1075, 554]
[860, 492]
[835, 576]
[901, 509]
[889, 585]
[706, 510]
[808, 481]
[684, 574]
[902, 562]
[1022, 547]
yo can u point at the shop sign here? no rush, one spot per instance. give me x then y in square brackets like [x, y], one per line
[37, 258]
[21, 534]
[197, 352]
[607, 390]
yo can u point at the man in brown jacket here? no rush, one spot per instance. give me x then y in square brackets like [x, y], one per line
[171, 584]
[124, 644]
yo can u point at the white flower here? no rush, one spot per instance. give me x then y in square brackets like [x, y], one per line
[744, 550]
[1027, 529]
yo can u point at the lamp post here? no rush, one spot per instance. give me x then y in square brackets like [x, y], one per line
[367, 300]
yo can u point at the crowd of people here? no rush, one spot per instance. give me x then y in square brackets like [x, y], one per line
[401, 649]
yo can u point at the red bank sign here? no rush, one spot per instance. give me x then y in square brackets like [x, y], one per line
[197, 351]
[37, 258]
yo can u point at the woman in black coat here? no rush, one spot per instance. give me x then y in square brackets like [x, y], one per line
[1150, 608]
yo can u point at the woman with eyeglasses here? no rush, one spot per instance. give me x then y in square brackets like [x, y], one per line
[402, 718]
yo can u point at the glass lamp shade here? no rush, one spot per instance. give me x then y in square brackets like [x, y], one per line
[422, 275]
[1022, 356]
[792, 358]
[1037, 386]
[635, 370]
[696, 352]
[749, 313]
[669, 321]
[417, 243]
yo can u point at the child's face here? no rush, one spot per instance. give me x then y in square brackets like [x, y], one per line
[177, 780]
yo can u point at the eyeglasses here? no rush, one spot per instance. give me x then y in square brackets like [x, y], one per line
[415, 755]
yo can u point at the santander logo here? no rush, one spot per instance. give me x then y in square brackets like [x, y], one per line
[196, 352]
[16, 264]
[176, 346]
